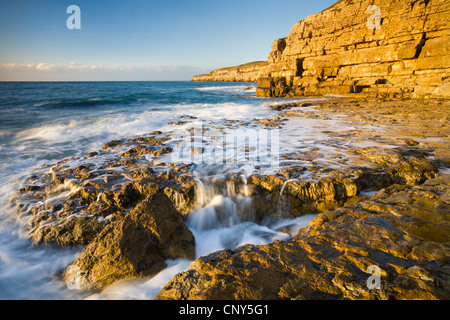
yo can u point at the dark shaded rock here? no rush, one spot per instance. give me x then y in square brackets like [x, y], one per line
[67, 232]
[152, 140]
[29, 188]
[288, 106]
[92, 154]
[112, 144]
[177, 123]
[82, 200]
[161, 151]
[137, 245]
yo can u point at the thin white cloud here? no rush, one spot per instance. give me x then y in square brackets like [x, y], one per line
[76, 66]
[13, 66]
[96, 72]
[42, 66]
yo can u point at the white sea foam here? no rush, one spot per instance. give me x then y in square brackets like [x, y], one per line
[28, 273]
[215, 226]
[146, 289]
[229, 89]
[91, 134]
[221, 221]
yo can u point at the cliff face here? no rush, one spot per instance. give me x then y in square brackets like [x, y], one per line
[378, 48]
[381, 48]
[244, 73]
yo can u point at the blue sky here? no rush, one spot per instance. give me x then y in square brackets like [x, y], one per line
[140, 39]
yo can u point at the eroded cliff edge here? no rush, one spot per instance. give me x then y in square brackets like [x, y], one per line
[373, 48]
[249, 72]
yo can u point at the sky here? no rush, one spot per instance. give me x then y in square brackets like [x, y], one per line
[140, 40]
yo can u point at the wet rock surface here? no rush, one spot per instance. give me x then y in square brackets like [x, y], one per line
[77, 198]
[403, 231]
[334, 153]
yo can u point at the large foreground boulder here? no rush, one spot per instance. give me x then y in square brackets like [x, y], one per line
[135, 246]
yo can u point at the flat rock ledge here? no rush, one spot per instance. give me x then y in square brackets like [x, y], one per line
[402, 232]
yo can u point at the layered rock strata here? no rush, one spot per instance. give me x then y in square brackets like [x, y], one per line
[248, 72]
[380, 48]
[369, 48]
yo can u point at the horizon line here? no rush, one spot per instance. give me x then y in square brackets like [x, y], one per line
[30, 81]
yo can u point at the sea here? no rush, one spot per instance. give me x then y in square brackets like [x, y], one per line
[42, 123]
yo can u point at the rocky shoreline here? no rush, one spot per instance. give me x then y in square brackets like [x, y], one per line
[379, 186]
[402, 230]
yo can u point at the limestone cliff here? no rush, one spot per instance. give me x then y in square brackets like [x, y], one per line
[248, 72]
[384, 48]
[378, 48]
